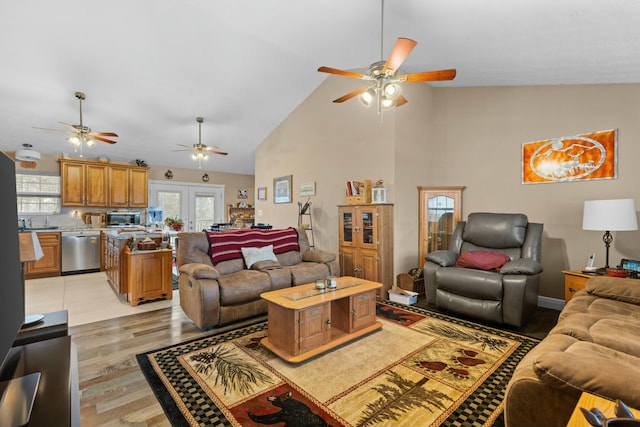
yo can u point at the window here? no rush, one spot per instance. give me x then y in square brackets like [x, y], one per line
[38, 194]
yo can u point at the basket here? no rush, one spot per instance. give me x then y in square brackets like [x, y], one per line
[414, 281]
[146, 246]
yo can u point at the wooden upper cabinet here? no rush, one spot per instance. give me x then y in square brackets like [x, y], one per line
[73, 183]
[96, 185]
[86, 183]
[138, 188]
[128, 187]
[119, 186]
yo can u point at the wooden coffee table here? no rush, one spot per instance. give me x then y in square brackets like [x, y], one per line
[305, 322]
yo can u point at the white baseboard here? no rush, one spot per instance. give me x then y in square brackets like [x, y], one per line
[553, 303]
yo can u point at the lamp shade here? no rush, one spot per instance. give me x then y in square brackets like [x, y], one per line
[609, 215]
[30, 249]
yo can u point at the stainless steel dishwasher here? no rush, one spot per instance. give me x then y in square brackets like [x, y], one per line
[80, 251]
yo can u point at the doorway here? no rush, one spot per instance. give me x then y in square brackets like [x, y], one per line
[198, 205]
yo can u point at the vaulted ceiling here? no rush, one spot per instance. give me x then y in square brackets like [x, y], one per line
[150, 67]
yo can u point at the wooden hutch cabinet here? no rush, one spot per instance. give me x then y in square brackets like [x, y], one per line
[366, 243]
[440, 211]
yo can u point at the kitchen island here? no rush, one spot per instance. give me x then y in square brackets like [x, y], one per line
[116, 241]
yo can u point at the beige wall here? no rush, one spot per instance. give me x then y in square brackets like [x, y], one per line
[456, 136]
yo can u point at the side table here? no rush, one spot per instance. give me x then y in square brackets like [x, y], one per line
[574, 280]
[54, 325]
[589, 401]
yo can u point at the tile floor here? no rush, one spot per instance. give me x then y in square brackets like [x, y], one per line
[87, 297]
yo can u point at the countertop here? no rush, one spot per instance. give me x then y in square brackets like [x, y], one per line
[120, 233]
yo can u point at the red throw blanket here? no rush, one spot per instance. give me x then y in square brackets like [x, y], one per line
[226, 245]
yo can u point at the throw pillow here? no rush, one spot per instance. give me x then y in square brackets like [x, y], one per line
[253, 255]
[482, 260]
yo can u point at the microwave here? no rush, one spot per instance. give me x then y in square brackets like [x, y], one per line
[123, 219]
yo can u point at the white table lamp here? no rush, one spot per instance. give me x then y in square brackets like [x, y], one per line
[609, 215]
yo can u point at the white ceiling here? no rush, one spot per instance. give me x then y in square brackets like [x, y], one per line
[150, 67]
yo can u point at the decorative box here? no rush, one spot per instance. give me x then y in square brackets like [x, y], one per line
[402, 296]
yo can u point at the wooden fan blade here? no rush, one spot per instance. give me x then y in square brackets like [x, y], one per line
[428, 76]
[398, 54]
[53, 130]
[99, 138]
[182, 145]
[343, 73]
[183, 150]
[401, 101]
[68, 125]
[351, 94]
[222, 153]
[105, 133]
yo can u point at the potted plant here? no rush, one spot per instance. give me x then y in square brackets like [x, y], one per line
[176, 223]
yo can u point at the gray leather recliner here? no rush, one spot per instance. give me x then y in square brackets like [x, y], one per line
[508, 296]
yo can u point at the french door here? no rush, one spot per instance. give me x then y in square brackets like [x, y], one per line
[198, 205]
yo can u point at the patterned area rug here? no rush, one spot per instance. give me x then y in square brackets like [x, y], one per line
[422, 368]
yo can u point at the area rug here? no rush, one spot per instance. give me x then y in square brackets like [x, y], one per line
[422, 368]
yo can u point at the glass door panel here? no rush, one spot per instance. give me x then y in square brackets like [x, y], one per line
[440, 221]
[367, 228]
[347, 226]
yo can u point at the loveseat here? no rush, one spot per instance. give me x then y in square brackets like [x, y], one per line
[216, 284]
[595, 347]
[491, 270]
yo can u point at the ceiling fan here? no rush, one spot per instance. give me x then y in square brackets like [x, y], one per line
[82, 133]
[200, 150]
[384, 83]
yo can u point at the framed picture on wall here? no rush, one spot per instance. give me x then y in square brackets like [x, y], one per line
[282, 189]
[262, 193]
[308, 189]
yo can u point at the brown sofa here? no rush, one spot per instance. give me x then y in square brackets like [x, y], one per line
[595, 347]
[216, 295]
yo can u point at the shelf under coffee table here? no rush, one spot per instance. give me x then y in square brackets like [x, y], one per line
[305, 322]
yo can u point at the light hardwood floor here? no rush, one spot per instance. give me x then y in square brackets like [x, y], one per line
[113, 390]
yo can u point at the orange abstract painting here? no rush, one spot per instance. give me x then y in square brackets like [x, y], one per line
[571, 158]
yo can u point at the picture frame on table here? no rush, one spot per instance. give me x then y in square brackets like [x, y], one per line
[282, 189]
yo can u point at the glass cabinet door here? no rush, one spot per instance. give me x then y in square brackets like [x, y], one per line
[347, 226]
[367, 227]
[440, 211]
[440, 221]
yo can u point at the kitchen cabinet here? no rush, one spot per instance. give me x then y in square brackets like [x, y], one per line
[83, 184]
[97, 184]
[128, 186]
[147, 274]
[366, 243]
[114, 265]
[440, 209]
[50, 265]
[113, 248]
